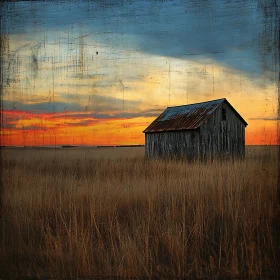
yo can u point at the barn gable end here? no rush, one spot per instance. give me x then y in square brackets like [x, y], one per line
[218, 136]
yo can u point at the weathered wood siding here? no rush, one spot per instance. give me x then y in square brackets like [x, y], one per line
[172, 144]
[222, 137]
[214, 137]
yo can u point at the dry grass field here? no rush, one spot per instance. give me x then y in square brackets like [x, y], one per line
[84, 212]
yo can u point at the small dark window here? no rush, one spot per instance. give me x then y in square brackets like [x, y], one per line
[224, 115]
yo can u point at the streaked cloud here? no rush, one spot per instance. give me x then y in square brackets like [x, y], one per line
[266, 119]
[52, 106]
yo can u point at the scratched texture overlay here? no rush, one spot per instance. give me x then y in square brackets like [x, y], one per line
[98, 72]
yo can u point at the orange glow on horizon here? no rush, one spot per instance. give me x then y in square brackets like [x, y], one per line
[51, 129]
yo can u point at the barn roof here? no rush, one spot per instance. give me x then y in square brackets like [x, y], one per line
[186, 117]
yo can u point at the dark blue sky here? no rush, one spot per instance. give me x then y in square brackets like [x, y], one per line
[232, 33]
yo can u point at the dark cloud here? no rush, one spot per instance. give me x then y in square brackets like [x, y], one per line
[9, 125]
[98, 107]
[125, 115]
[71, 115]
[129, 115]
[51, 107]
[101, 104]
[34, 127]
[238, 34]
[14, 126]
[80, 123]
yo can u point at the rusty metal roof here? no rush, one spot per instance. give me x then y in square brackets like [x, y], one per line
[186, 116]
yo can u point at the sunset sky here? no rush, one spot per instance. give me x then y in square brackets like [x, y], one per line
[98, 73]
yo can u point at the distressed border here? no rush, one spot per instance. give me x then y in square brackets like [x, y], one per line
[274, 41]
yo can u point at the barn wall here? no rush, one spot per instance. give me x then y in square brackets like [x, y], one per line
[219, 137]
[172, 144]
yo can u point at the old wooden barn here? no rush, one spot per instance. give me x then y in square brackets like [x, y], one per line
[206, 129]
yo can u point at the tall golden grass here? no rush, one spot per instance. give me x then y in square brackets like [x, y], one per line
[111, 212]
